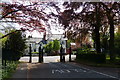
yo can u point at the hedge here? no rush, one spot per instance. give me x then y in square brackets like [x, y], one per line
[93, 57]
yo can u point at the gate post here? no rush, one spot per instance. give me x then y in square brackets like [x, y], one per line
[42, 56]
[39, 55]
[30, 53]
[70, 52]
[61, 52]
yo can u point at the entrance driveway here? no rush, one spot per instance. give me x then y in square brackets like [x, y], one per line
[47, 59]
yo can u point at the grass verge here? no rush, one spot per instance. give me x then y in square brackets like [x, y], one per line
[107, 64]
[9, 69]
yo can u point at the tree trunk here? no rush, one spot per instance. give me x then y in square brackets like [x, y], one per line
[111, 42]
[97, 28]
[97, 39]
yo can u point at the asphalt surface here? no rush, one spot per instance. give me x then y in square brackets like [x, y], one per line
[63, 70]
[59, 70]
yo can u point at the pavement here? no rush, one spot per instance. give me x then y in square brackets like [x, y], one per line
[60, 70]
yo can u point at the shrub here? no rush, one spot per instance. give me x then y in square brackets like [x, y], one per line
[84, 50]
[56, 45]
[117, 43]
[93, 57]
[14, 46]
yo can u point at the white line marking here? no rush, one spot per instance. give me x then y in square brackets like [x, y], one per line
[105, 74]
[76, 70]
[68, 71]
[98, 72]
[52, 71]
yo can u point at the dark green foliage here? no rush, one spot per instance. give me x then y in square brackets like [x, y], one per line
[89, 55]
[14, 46]
[84, 50]
[93, 57]
[117, 43]
[68, 43]
[105, 43]
[56, 45]
[52, 47]
[9, 69]
[2, 41]
[49, 47]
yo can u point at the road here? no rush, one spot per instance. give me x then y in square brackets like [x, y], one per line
[59, 70]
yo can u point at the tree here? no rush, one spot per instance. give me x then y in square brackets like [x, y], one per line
[112, 11]
[30, 16]
[56, 45]
[88, 19]
[49, 47]
[117, 44]
[14, 46]
[2, 41]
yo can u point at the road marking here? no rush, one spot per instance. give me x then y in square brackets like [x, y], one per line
[76, 70]
[52, 71]
[97, 72]
[67, 71]
[105, 74]
[58, 71]
[101, 73]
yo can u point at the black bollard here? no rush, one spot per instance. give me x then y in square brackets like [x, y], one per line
[70, 52]
[42, 56]
[30, 60]
[63, 59]
[39, 54]
[61, 52]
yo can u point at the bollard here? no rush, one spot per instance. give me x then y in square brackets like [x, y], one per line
[61, 52]
[30, 60]
[63, 60]
[42, 56]
[39, 55]
[70, 52]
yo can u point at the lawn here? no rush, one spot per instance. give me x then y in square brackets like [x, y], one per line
[108, 63]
